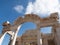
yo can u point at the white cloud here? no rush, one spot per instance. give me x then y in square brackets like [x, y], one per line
[43, 7]
[29, 8]
[19, 8]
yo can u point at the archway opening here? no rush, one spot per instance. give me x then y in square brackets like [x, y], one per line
[46, 30]
[26, 26]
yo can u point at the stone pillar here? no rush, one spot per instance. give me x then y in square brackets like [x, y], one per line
[15, 36]
[45, 41]
[39, 40]
[57, 36]
[1, 39]
[56, 33]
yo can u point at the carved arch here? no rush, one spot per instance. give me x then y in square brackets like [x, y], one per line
[40, 22]
[28, 18]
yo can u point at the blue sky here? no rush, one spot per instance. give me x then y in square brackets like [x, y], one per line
[7, 13]
[12, 9]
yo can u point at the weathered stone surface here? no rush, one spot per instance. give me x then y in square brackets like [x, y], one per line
[35, 37]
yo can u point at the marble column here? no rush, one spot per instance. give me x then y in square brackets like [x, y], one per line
[1, 39]
[15, 35]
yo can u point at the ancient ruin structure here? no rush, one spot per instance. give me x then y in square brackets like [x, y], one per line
[33, 37]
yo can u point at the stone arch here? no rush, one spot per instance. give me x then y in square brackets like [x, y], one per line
[28, 18]
[10, 33]
[49, 21]
[40, 22]
[20, 20]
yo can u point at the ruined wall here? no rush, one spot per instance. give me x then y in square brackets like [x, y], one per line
[6, 27]
[57, 35]
[40, 22]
